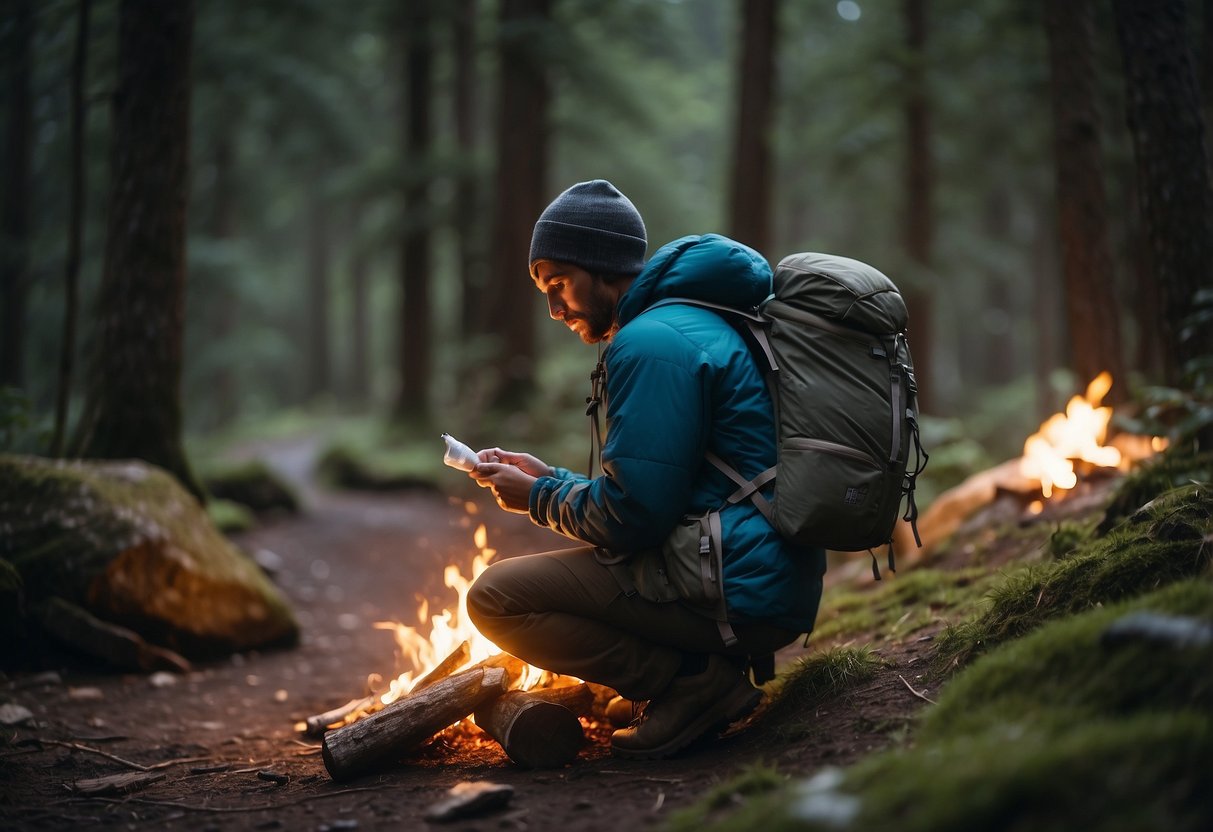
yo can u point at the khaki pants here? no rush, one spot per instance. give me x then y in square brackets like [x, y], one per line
[565, 612]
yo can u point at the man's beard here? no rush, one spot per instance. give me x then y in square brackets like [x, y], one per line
[598, 321]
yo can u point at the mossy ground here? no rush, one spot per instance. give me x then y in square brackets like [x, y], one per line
[1044, 721]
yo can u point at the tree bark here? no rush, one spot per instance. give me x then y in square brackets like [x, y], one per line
[918, 220]
[521, 158]
[1172, 170]
[1089, 275]
[15, 187]
[226, 304]
[381, 737]
[416, 308]
[133, 400]
[75, 231]
[750, 202]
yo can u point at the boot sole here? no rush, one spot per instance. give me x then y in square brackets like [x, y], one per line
[739, 705]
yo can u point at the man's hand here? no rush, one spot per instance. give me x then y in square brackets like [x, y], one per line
[510, 475]
[529, 464]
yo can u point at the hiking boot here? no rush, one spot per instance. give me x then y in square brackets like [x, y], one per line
[689, 708]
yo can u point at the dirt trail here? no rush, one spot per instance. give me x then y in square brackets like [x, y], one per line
[350, 561]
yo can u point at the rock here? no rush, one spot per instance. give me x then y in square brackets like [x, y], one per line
[124, 783]
[125, 542]
[468, 799]
[14, 714]
[1174, 631]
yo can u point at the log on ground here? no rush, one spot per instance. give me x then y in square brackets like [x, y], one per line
[534, 730]
[385, 736]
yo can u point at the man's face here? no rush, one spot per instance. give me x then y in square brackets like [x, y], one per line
[583, 301]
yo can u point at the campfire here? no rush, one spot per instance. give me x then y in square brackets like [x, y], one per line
[460, 686]
[1076, 437]
[1069, 447]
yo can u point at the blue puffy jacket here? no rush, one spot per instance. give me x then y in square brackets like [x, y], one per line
[681, 381]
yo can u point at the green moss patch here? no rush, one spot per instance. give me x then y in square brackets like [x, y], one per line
[253, 485]
[902, 604]
[1072, 671]
[813, 681]
[346, 466]
[1164, 542]
[1063, 729]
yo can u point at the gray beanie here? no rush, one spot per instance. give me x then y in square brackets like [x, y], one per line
[594, 226]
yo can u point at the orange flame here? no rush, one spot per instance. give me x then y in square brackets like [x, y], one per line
[1078, 434]
[447, 630]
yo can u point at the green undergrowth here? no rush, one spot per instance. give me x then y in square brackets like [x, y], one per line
[1165, 541]
[814, 680]
[1083, 724]
[757, 779]
[901, 604]
[230, 517]
[251, 484]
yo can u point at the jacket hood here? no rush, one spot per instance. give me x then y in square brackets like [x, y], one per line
[709, 268]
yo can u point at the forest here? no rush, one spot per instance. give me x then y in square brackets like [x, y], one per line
[355, 186]
[290, 237]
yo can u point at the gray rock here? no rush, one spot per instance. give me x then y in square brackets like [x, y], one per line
[468, 799]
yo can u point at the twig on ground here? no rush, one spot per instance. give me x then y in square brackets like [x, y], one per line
[923, 697]
[233, 809]
[75, 746]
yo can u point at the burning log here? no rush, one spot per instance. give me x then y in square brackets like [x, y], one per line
[457, 659]
[411, 719]
[538, 729]
[315, 726]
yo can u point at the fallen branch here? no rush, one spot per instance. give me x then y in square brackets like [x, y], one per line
[234, 809]
[411, 719]
[457, 659]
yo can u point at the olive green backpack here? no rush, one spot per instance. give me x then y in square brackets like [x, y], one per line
[832, 342]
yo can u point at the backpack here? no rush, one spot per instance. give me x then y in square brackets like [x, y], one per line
[832, 343]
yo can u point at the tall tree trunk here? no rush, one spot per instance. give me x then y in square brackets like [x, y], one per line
[133, 399]
[1172, 170]
[223, 229]
[1046, 305]
[467, 204]
[520, 193]
[15, 186]
[1092, 310]
[75, 231]
[359, 384]
[316, 338]
[750, 202]
[918, 229]
[1001, 365]
[416, 308]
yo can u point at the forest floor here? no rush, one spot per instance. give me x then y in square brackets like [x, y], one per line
[224, 738]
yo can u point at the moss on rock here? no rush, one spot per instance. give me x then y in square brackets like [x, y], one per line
[127, 543]
[254, 486]
[1163, 542]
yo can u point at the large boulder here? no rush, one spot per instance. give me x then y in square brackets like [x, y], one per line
[126, 543]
